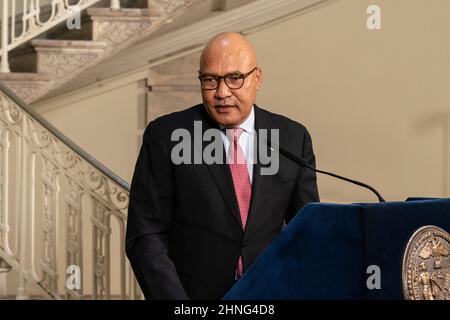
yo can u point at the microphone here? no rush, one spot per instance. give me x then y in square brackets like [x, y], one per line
[302, 163]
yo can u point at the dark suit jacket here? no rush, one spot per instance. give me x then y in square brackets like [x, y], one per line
[184, 231]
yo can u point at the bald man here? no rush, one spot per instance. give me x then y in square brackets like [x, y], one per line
[195, 227]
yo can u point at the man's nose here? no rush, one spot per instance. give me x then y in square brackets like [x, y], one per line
[222, 90]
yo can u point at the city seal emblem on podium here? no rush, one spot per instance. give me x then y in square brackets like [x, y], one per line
[426, 265]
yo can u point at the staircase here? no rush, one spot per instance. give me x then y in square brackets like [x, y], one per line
[57, 55]
[62, 213]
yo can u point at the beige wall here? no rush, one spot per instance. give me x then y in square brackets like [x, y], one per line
[375, 102]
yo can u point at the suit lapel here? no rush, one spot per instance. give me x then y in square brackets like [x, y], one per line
[221, 172]
[261, 184]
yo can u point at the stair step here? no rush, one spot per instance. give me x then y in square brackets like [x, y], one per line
[117, 26]
[41, 44]
[25, 85]
[61, 57]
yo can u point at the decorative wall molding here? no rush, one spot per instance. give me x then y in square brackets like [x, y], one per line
[173, 87]
[89, 92]
[246, 19]
[64, 61]
[243, 19]
[164, 7]
[114, 27]
[58, 58]
[25, 85]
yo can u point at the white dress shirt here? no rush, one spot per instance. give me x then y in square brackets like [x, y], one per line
[246, 141]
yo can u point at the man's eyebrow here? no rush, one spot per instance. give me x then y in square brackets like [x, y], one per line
[214, 74]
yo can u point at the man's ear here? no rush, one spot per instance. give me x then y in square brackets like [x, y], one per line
[259, 77]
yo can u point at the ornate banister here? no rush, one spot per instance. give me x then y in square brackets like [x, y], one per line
[60, 210]
[4, 67]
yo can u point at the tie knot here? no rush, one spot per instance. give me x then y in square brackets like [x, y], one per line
[237, 133]
[233, 134]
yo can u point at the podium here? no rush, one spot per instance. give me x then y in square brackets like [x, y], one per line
[326, 249]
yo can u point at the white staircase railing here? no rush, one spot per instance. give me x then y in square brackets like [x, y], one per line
[62, 214]
[32, 25]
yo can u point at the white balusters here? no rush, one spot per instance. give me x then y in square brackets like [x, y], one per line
[13, 20]
[73, 210]
[4, 68]
[22, 290]
[4, 269]
[57, 191]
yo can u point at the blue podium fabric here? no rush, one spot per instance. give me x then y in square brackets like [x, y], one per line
[324, 252]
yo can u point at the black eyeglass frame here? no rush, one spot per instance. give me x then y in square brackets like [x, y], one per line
[224, 77]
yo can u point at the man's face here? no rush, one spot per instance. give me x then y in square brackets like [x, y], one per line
[230, 107]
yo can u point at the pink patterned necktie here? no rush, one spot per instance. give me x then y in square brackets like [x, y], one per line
[241, 181]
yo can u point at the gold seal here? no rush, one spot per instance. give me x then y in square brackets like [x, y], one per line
[426, 265]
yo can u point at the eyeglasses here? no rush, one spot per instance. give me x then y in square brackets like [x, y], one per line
[233, 80]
